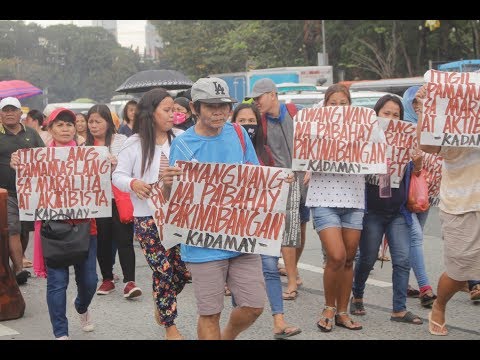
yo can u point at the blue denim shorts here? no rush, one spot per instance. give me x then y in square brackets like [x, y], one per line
[324, 217]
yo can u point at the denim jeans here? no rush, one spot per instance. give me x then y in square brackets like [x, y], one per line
[417, 259]
[398, 234]
[57, 283]
[422, 218]
[472, 283]
[273, 283]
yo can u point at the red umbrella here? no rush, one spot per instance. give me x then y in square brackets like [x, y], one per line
[18, 88]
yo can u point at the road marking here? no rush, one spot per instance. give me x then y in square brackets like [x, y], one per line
[4, 331]
[319, 270]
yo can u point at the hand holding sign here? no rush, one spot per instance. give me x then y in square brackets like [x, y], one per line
[169, 175]
[14, 160]
[417, 158]
[141, 189]
[113, 161]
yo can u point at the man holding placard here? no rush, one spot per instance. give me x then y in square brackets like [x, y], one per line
[213, 140]
[449, 126]
[14, 136]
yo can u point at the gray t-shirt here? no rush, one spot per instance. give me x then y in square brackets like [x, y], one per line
[280, 140]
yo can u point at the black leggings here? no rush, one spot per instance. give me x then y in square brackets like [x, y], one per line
[107, 230]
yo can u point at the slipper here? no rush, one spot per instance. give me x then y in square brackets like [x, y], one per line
[408, 318]
[475, 293]
[357, 308]
[432, 323]
[347, 324]
[290, 295]
[285, 334]
[282, 271]
[413, 293]
[27, 263]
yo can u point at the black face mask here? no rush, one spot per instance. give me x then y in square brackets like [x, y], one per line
[252, 132]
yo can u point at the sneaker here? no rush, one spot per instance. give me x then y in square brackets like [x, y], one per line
[131, 290]
[106, 288]
[64, 337]
[86, 321]
[22, 276]
[427, 300]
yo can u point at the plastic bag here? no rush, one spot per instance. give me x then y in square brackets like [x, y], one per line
[418, 193]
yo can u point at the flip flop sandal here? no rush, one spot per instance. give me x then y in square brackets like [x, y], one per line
[328, 320]
[413, 293]
[290, 295]
[408, 318]
[432, 323]
[357, 308]
[284, 334]
[347, 324]
[475, 293]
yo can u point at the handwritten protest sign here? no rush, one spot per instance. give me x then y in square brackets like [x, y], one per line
[401, 137]
[432, 163]
[156, 203]
[451, 109]
[338, 139]
[227, 206]
[64, 180]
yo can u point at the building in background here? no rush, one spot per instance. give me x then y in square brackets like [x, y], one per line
[153, 42]
[109, 25]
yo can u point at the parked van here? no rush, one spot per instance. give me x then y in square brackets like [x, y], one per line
[396, 86]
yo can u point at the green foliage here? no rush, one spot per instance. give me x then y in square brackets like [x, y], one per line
[78, 62]
[71, 62]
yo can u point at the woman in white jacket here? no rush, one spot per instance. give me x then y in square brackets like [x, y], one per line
[140, 164]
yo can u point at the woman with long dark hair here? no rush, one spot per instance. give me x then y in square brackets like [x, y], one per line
[141, 162]
[101, 132]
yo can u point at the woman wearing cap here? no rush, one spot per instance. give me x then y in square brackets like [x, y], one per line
[101, 132]
[141, 162]
[61, 126]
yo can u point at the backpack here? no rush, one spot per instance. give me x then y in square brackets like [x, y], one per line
[238, 130]
[292, 110]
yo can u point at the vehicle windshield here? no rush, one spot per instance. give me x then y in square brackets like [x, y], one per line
[365, 101]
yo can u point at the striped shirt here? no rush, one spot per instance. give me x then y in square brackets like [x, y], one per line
[460, 187]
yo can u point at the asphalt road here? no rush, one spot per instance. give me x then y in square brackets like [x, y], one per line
[116, 318]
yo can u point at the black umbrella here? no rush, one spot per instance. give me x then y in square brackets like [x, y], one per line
[149, 79]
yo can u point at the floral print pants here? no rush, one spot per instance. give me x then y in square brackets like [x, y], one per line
[169, 271]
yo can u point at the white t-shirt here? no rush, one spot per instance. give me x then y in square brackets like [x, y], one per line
[336, 190]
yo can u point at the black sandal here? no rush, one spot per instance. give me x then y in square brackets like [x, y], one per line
[408, 318]
[357, 308]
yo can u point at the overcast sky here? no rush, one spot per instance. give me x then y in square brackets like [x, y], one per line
[130, 32]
